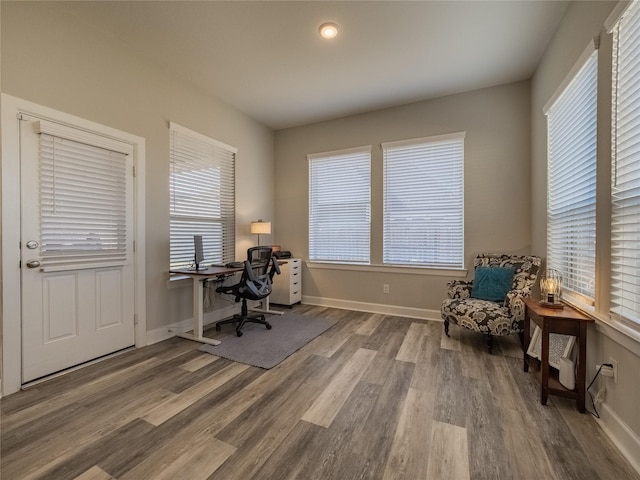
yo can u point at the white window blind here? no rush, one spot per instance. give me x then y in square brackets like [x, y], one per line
[202, 197]
[340, 205]
[424, 202]
[571, 181]
[83, 210]
[625, 189]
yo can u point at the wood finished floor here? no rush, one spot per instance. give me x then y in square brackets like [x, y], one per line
[374, 397]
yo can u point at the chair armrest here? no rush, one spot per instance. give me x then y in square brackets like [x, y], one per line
[459, 288]
[514, 301]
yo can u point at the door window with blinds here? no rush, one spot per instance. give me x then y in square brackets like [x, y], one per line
[625, 175]
[340, 205]
[202, 197]
[84, 182]
[571, 180]
[423, 218]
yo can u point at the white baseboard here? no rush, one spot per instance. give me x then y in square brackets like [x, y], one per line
[168, 331]
[625, 439]
[396, 310]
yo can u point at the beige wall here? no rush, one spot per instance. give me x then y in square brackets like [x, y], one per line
[497, 208]
[582, 22]
[50, 59]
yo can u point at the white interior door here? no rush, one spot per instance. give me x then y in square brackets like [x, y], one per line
[77, 275]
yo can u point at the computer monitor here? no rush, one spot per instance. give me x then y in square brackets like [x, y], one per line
[199, 254]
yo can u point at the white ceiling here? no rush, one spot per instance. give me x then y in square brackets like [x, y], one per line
[267, 59]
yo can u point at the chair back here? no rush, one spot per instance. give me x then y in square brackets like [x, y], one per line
[526, 268]
[257, 276]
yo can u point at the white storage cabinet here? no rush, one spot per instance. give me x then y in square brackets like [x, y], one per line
[287, 287]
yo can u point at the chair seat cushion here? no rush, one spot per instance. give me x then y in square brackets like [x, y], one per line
[482, 316]
[492, 283]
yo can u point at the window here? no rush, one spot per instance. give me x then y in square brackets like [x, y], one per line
[85, 184]
[202, 197]
[424, 202]
[340, 205]
[571, 180]
[625, 175]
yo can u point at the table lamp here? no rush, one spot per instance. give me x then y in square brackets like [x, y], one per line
[551, 289]
[260, 228]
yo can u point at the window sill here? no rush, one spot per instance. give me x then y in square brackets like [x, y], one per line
[620, 333]
[407, 270]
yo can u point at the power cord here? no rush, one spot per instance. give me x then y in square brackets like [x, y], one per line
[593, 403]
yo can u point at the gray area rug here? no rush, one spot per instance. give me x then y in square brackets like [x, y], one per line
[267, 348]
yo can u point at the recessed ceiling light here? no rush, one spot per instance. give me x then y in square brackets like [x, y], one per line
[328, 30]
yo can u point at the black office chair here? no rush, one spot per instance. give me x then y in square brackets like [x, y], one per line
[255, 284]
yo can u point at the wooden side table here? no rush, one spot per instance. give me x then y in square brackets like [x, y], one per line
[565, 321]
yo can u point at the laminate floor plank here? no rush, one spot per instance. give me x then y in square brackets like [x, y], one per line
[370, 325]
[374, 443]
[412, 342]
[409, 453]
[485, 440]
[375, 397]
[334, 339]
[449, 452]
[62, 437]
[329, 455]
[326, 406]
[117, 444]
[595, 443]
[34, 394]
[69, 396]
[517, 428]
[380, 367]
[452, 394]
[178, 402]
[200, 361]
[260, 430]
[387, 327]
[190, 455]
[94, 473]
[311, 451]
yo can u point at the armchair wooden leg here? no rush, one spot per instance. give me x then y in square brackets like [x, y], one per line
[446, 327]
[490, 344]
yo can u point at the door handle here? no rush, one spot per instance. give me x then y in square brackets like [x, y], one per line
[33, 263]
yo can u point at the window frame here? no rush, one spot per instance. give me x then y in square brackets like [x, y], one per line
[406, 154]
[217, 195]
[332, 197]
[565, 215]
[621, 246]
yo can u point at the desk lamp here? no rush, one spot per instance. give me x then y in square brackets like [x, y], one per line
[260, 228]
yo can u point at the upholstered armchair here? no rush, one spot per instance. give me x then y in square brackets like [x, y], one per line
[492, 303]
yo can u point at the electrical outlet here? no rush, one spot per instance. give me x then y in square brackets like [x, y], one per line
[614, 362]
[385, 288]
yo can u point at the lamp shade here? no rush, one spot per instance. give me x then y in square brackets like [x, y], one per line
[261, 228]
[551, 287]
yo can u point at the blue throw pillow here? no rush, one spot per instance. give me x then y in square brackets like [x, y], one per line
[492, 283]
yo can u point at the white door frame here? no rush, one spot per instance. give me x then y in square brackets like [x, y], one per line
[10, 233]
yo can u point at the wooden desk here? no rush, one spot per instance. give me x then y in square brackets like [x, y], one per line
[566, 321]
[198, 277]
